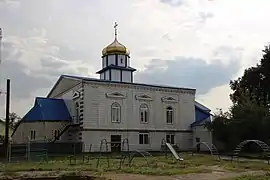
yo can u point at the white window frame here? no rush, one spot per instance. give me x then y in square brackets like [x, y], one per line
[169, 115]
[143, 138]
[144, 114]
[115, 112]
[33, 135]
[170, 136]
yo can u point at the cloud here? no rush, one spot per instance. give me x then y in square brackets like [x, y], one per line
[193, 72]
[221, 95]
[9, 2]
[174, 3]
[32, 63]
[50, 61]
[176, 42]
[23, 83]
[205, 15]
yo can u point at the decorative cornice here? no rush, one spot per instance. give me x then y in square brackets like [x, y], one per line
[169, 99]
[143, 97]
[67, 90]
[137, 130]
[115, 95]
[140, 87]
[112, 66]
[76, 95]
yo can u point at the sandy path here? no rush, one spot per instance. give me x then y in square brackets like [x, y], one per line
[216, 175]
[201, 176]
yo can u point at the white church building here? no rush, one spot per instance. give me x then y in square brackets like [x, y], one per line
[86, 110]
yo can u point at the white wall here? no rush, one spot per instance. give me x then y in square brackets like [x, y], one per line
[104, 62]
[68, 98]
[107, 75]
[111, 59]
[126, 76]
[123, 57]
[98, 112]
[42, 129]
[98, 106]
[115, 75]
[128, 61]
[183, 140]
[203, 134]
[102, 75]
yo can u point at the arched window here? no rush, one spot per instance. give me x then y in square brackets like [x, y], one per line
[116, 113]
[169, 115]
[56, 134]
[144, 113]
[32, 134]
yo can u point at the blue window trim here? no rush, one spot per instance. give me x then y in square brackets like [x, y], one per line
[116, 59]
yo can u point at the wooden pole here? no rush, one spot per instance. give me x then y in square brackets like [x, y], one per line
[7, 115]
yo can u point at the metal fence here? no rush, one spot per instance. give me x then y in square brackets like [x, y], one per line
[40, 149]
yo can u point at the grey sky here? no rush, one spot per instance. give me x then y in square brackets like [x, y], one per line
[201, 44]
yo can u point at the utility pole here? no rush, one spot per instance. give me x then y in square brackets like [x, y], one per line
[7, 92]
[1, 36]
[7, 116]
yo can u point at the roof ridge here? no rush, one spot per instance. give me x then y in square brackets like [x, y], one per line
[141, 84]
[59, 99]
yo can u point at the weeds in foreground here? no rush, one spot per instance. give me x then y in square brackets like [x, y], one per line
[157, 165]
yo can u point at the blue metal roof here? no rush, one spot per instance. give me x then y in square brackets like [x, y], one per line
[199, 105]
[112, 66]
[48, 109]
[200, 115]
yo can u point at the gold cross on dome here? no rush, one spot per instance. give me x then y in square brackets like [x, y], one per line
[115, 29]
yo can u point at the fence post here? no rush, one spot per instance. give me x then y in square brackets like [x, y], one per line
[74, 149]
[9, 151]
[28, 148]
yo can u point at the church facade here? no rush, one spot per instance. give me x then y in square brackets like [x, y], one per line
[87, 110]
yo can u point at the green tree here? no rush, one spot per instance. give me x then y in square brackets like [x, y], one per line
[255, 82]
[13, 119]
[248, 117]
[220, 126]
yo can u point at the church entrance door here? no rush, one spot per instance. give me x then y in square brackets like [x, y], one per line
[115, 143]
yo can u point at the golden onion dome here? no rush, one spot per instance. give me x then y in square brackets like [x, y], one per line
[115, 47]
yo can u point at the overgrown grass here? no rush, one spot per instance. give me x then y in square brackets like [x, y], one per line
[158, 165]
[245, 166]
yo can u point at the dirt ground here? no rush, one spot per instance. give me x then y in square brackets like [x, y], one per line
[215, 175]
[203, 176]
